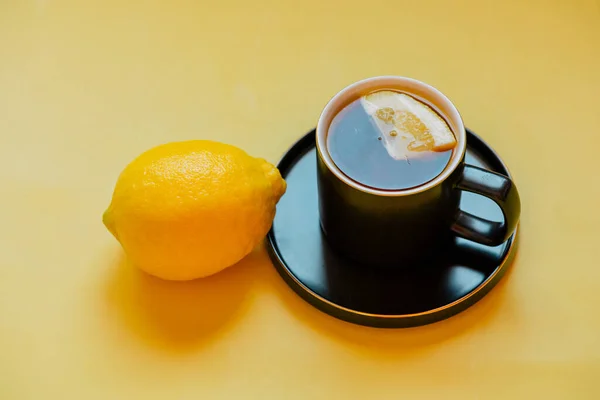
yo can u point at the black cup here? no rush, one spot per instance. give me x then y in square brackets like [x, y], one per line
[404, 227]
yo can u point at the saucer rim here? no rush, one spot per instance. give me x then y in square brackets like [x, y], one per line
[389, 320]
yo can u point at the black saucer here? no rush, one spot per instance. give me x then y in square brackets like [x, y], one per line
[391, 298]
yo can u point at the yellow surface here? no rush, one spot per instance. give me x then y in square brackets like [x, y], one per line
[86, 86]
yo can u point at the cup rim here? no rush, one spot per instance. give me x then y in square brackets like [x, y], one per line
[433, 97]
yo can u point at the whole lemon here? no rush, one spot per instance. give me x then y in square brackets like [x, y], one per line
[186, 210]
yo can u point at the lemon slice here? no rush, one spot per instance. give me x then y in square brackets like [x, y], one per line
[407, 125]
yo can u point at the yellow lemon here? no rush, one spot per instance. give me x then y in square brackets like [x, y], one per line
[187, 210]
[407, 125]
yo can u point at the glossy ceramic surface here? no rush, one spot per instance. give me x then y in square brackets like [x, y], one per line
[456, 276]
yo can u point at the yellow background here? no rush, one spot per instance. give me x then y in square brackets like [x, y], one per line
[85, 86]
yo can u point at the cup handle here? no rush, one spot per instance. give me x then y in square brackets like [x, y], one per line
[500, 189]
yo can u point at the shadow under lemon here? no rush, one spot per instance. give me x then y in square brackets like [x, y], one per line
[180, 315]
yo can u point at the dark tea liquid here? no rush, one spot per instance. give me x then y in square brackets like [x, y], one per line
[357, 148]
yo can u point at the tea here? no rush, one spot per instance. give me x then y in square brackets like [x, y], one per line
[389, 140]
